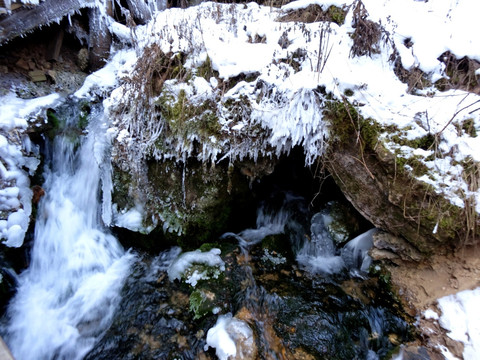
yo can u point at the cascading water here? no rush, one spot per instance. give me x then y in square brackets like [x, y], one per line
[65, 300]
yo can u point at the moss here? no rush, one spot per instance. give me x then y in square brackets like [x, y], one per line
[206, 70]
[415, 164]
[425, 142]
[336, 14]
[315, 13]
[53, 120]
[201, 303]
[468, 126]
[184, 118]
[347, 124]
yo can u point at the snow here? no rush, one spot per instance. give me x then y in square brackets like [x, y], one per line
[461, 317]
[430, 314]
[102, 81]
[185, 261]
[223, 335]
[285, 100]
[18, 162]
[218, 338]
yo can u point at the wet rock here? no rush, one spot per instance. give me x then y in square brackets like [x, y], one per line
[340, 221]
[388, 246]
[191, 203]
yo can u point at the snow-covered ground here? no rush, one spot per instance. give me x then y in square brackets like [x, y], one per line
[460, 316]
[289, 62]
[18, 161]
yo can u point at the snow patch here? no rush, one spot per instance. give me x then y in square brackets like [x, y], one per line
[461, 317]
[223, 335]
[18, 161]
[180, 267]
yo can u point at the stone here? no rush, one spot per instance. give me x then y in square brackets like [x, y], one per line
[22, 64]
[31, 65]
[82, 59]
[37, 76]
[385, 244]
[54, 47]
[5, 353]
[51, 75]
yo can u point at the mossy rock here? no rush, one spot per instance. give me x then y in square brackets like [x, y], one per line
[202, 302]
[341, 223]
[277, 249]
[383, 186]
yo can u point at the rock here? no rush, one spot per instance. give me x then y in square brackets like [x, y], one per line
[194, 202]
[52, 76]
[82, 59]
[37, 76]
[38, 192]
[22, 64]
[412, 352]
[390, 197]
[391, 246]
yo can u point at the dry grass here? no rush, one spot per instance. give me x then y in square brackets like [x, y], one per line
[471, 176]
[460, 72]
[314, 13]
[367, 34]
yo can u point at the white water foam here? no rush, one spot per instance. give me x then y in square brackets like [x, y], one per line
[66, 298]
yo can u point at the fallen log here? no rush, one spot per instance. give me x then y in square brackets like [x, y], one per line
[26, 20]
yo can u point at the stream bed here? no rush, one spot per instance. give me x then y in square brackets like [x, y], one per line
[256, 294]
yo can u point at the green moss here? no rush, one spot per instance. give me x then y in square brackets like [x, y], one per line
[52, 119]
[347, 124]
[201, 302]
[206, 70]
[336, 14]
[425, 142]
[468, 126]
[415, 163]
[184, 118]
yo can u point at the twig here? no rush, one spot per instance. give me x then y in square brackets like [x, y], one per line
[455, 115]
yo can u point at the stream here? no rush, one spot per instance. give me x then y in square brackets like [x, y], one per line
[290, 287]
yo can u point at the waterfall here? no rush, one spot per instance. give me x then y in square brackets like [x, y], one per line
[66, 298]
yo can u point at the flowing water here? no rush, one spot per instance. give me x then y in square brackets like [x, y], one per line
[287, 289]
[266, 304]
[66, 298]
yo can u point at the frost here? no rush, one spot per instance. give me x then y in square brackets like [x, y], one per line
[197, 265]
